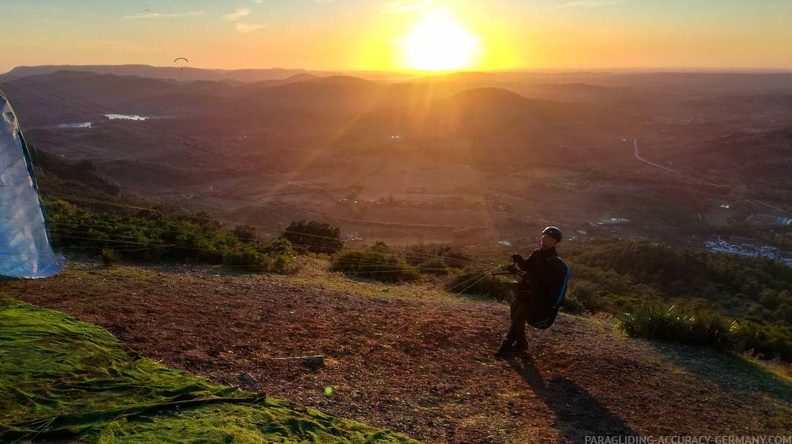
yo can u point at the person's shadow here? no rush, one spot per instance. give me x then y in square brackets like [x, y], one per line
[578, 414]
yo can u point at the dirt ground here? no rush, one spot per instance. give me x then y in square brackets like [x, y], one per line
[414, 360]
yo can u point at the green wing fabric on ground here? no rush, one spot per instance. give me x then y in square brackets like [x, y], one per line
[61, 378]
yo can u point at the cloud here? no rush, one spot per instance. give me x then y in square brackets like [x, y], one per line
[401, 6]
[247, 28]
[158, 15]
[236, 15]
[588, 4]
[243, 28]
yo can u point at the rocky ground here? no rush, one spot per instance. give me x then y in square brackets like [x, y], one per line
[415, 360]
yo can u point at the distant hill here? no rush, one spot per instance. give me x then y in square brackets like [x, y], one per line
[757, 107]
[488, 127]
[178, 73]
[70, 96]
[310, 92]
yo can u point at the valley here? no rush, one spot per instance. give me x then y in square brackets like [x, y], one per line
[464, 158]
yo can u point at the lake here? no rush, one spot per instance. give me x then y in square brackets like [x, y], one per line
[126, 117]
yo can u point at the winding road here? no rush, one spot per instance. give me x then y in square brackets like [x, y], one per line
[638, 156]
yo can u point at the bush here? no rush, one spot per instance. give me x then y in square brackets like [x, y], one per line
[284, 257]
[674, 324]
[277, 247]
[380, 247]
[284, 264]
[768, 341]
[148, 235]
[681, 272]
[573, 306]
[584, 292]
[482, 283]
[434, 266]
[314, 237]
[247, 234]
[276, 256]
[451, 257]
[109, 256]
[374, 265]
[246, 259]
[157, 235]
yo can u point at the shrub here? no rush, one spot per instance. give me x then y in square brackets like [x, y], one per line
[768, 341]
[380, 247]
[314, 237]
[452, 257]
[246, 233]
[246, 259]
[157, 235]
[109, 256]
[674, 324]
[584, 292]
[374, 265]
[277, 247]
[482, 283]
[573, 306]
[434, 266]
[682, 272]
[784, 313]
[284, 264]
[284, 257]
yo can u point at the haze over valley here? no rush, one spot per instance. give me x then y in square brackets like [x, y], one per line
[471, 157]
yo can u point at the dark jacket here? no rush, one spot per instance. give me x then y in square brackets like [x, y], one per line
[541, 284]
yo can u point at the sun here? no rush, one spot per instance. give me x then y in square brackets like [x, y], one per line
[439, 42]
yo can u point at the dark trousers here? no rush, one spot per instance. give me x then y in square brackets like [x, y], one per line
[519, 314]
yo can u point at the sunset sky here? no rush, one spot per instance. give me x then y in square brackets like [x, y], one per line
[340, 35]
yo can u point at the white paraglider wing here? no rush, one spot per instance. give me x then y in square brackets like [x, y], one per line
[25, 248]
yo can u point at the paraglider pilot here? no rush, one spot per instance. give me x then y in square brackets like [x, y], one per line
[539, 292]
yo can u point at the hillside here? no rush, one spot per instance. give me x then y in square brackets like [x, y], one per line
[415, 360]
[105, 392]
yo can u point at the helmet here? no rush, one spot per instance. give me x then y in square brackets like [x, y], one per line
[553, 232]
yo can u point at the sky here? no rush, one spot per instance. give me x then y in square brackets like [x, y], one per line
[401, 35]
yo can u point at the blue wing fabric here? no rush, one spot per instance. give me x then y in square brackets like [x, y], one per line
[25, 247]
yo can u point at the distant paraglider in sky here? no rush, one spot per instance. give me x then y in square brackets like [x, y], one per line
[181, 58]
[25, 247]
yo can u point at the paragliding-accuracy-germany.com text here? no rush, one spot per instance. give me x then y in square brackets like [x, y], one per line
[679, 439]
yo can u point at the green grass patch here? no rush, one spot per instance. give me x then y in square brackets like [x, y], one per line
[708, 328]
[65, 379]
[675, 324]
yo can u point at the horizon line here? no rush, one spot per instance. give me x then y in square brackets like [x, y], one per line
[679, 69]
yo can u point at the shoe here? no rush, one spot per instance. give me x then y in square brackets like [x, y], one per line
[506, 348]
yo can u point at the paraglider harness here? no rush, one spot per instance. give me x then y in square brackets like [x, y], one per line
[547, 319]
